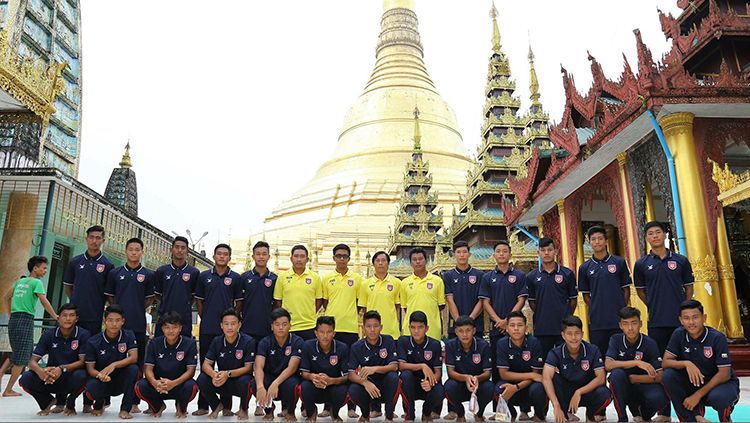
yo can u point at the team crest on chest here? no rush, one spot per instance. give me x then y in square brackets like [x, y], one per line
[100, 268]
[141, 277]
[334, 359]
[350, 282]
[427, 355]
[288, 351]
[389, 287]
[238, 354]
[476, 358]
[429, 285]
[268, 283]
[383, 353]
[74, 344]
[672, 265]
[180, 355]
[308, 281]
[186, 277]
[638, 355]
[472, 280]
[584, 365]
[122, 347]
[708, 352]
[227, 281]
[558, 278]
[511, 279]
[612, 268]
[526, 355]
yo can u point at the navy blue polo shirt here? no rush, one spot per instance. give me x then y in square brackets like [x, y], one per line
[578, 371]
[278, 356]
[644, 349]
[473, 362]
[333, 363]
[88, 276]
[503, 290]
[61, 350]
[130, 288]
[709, 352]
[171, 361]
[258, 302]
[604, 281]
[552, 293]
[364, 354]
[230, 356]
[523, 359]
[665, 282]
[463, 286]
[429, 352]
[176, 287]
[218, 293]
[103, 351]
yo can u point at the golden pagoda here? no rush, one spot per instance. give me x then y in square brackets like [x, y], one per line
[354, 194]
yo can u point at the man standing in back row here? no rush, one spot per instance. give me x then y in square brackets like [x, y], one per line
[174, 286]
[423, 291]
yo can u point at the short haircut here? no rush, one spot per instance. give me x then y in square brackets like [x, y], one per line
[691, 305]
[170, 318]
[518, 314]
[222, 245]
[68, 306]
[114, 308]
[180, 238]
[379, 253]
[300, 247]
[654, 224]
[36, 261]
[502, 242]
[460, 244]
[342, 247]
[95, 228]
[464, 320]
[261, 244]
[628, 312]
[596, 230]
[134, 240]
[279, 313]
[417, 250]
[546, 242]
[230, 312]
[418, 317]
[326, 320]
[572, 321]
[372, 314]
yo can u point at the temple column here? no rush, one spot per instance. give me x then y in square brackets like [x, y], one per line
[582, 310]
[20, 227]
[565, 252]
[678, 131]
[540, 224]
[567, 260]
[729, 303]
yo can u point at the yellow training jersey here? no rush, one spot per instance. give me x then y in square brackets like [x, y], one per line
[342, 291]
[297, 294]
[383, 296]
[424, 295]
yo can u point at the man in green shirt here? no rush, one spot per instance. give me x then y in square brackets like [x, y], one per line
[22, 305]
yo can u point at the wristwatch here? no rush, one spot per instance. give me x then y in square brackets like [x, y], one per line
[229, 373]
[63, 369]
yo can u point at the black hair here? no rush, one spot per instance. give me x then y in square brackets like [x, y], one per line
[262, 244]
[572, 321]
[222, 245]
[300, 247]
[654, 224]
[134, 240]
[502, 242]
[516, 313]
[68, 306]
[114, 308]
[326, 320]
[628, 312]
[170, 318]
[691, 305]
[460, 244]
[36, 261]
[230, 312]
[417, 250]
[418, 317]
[464, 320]
[180, 238]
[596, 230]
[546, 242]
[375, 256]
[372, 314]
[95, 228]
[342, 247]
[279, 313]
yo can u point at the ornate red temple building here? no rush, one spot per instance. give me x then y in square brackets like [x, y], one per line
[609, 167]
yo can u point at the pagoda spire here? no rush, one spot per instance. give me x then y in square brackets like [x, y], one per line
[125, 162]
[417, 133]
[533, 82]
[122, 188]
[496, 42]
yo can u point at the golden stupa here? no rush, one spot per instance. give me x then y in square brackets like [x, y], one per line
[353, 197]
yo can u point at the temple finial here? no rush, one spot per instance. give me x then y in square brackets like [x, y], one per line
[125, 162]
[417, 133]
[533, 80]
[496, 44]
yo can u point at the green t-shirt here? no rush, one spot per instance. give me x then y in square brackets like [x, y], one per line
[24, 295]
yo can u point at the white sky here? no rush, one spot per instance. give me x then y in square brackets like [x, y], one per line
[231, 108]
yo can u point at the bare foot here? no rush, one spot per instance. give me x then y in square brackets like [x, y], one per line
[573, 418]
[460, 419]
[215, 414]
[352, 414]
[268, 417]
[97, 413]
[336, 419]
[87, 409]
[46, 411]
[148, 411]
[537, 419]
[179, 414]
[200, 412]
[134, 409]
[524, 416]
[325, 413]
[451, 416]
[363, 419]
[157, 415]
[69, 412]
[290, 417]
[478, 418]
[125, 415]
[227, 413]
[57, 409]
[281, 414]
[259, 411]
[435, 416]
[242, 415]
[375, 414]
[662, 419]
[11, 393]
[600, 418]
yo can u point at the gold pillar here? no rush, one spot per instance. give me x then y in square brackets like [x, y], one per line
[650, 214]
[565, 256]
[678, 130]
[612, 245]
[20, 226]
[540, 225]
[726, 280]
[582, 310]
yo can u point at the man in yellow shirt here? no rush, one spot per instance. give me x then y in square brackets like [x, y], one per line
[300, 291]
[423, 291]
[382, 293]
